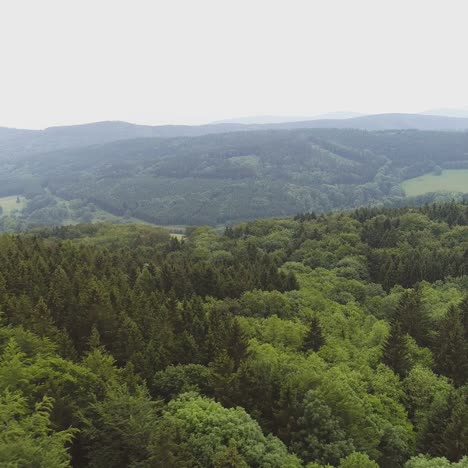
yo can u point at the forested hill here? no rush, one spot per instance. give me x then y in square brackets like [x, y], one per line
[19, 142]
[224, 178]
[333, 340]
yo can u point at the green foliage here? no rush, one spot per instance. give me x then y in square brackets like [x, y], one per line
[357, 460]
[326, 339]
[26, 438]
[319, 435]
[314, 338]
[396, 351]
[422, 461]
[208, 429]
[118, 430]
[451, 350]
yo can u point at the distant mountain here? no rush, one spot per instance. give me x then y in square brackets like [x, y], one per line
[17, 142]
[449, 112]
[385, 122]
[275, 119]
[338, 115]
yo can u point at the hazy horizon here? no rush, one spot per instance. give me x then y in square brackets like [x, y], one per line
[181, 62]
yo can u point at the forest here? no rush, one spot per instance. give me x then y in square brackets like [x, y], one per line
[227, 178]
[319, 340]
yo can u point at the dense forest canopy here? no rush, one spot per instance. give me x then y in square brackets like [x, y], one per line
[315, 341]
[224, 178]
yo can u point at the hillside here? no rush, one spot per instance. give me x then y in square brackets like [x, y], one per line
[224, 178]
[330, 341]
[16, 142]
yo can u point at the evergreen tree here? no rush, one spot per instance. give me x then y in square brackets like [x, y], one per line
[395, 353]
[464, 316]
[413, 317]
[237, 344]
[451, 350]
[446, 430]
[314, 338]
[41, 321]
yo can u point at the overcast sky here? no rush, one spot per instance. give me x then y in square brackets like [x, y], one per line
[194, 61]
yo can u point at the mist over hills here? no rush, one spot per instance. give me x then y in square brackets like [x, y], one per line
[274, 119]
[449, 112]
[19, 142]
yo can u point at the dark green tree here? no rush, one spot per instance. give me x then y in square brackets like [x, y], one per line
[237, 344]
[451, 349]
[314, 338]
[395, 353]
[413, 317]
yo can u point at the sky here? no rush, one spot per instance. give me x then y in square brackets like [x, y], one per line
[194, 61]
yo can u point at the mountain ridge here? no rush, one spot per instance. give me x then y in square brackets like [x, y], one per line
[18, 142]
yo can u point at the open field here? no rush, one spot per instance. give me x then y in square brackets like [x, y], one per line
[451, 180]
[102, 216]
[9, 204]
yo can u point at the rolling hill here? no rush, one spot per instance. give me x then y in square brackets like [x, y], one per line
[223, 178]
[19, 143]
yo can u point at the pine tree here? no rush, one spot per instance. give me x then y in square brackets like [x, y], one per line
[413, 318]
[455, 442]
[464, 316]
[395, 353]
[446, 429]
[59, 297]
[314, 338]
[41, 321]
[237, 344]
[451, 349]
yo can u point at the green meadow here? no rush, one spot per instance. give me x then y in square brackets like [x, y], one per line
[450, 180]
[9, 204]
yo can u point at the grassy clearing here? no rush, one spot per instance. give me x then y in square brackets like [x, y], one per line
[451, 180]
[9, 204]
[101, 216]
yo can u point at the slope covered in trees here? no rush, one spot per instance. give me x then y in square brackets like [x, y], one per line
[19, 142]
[218, 179]
[332, 340]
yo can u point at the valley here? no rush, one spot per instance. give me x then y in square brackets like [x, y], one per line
[226, 178]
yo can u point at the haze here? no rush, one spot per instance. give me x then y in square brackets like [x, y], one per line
[154, 62]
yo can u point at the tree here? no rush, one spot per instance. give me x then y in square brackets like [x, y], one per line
[209, 433]
[464, 316]
[237, 344]
[446, 430]
[26, 438]
[395, 353]
[314, 338]
[41, 321]
[413, 317]
[118, 430]
[422, 461]
[358, 460]
[319, 435]
[451, 349]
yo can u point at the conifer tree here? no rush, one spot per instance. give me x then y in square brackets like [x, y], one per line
[59, 296]
[237, 344]
[41, 321]
[451, 351]
[314, 338]
[395, 353]
[464, 316]
[413, 317]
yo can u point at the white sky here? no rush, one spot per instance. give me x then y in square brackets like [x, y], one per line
[194, 61]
